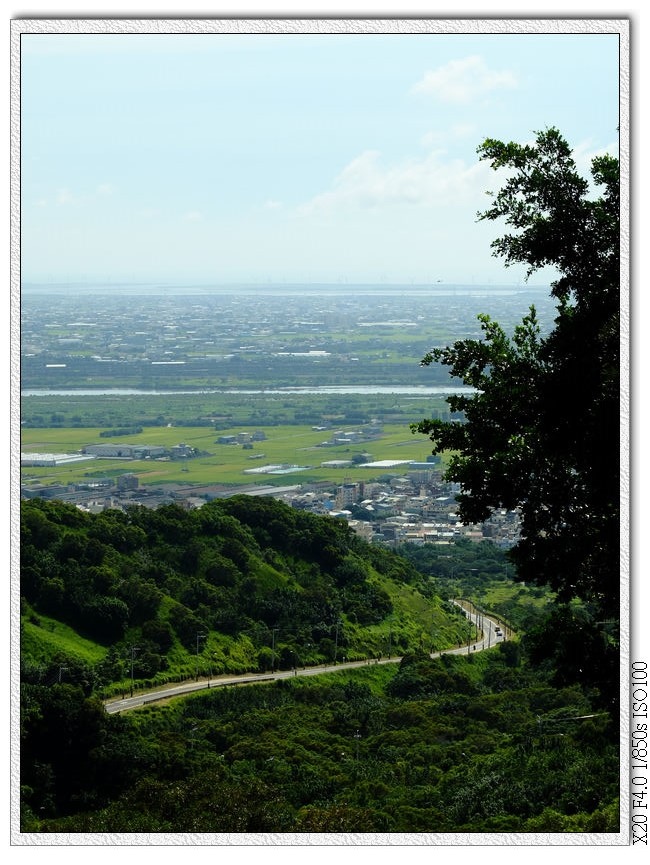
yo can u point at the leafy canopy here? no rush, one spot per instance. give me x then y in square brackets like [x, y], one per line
[541, 432]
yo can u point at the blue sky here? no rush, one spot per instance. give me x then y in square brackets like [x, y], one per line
[289, 157]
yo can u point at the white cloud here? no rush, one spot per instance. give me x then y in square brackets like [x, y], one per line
[585, 151]
[428, 181]
[464, 80]
[192, 216]
[104, 189]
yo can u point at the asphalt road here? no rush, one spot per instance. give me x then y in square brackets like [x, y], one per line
[166, 692]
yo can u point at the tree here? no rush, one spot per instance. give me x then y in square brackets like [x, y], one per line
[541, 432]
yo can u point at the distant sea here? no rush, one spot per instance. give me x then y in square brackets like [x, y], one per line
[281, 289]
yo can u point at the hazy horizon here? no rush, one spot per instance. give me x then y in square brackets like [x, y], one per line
[153, 286]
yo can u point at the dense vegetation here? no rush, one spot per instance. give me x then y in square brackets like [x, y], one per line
[484, 744]
[563, 638]
[483, 573]
[462, 743]
[215, 410]
[541, 433]
[239, 584]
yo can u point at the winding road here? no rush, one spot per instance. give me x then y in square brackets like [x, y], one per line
[488, 624]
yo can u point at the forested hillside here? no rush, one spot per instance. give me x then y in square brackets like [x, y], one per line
[459, 743]
[237, 585]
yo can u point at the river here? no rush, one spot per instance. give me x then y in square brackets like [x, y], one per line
[324, 389]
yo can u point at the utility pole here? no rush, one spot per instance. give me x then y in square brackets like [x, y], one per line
[198, 637]
[273, 631]
[478, 619]
[134, 649]
[212, 657]
[336, 641]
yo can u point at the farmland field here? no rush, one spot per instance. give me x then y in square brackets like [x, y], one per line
[223, 464]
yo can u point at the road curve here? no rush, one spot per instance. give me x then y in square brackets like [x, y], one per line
[490, 638]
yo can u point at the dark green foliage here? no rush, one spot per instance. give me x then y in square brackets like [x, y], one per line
[159, 634]
[464, 564]
[62, 734]
[113, 528]
[121, 431]
[141, 596]
[242, 567]
[186, 624]
[576, 648]
[104, 617]
[542, 433]
[398, 567]
[367, 604]
[326, 542]
[440, 747]
[61, 668]
[422, 676]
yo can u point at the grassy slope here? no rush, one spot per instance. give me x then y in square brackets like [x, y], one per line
[416, 623]
[44, 639]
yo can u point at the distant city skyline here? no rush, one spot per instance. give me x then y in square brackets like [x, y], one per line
[297, 158]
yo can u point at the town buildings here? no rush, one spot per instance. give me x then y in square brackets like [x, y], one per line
[414, 507]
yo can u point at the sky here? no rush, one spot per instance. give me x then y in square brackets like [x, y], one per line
[290, 158]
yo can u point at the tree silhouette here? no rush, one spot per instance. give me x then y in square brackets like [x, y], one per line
[541, 432]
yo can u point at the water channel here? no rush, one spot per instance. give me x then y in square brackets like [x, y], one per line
[324, 389]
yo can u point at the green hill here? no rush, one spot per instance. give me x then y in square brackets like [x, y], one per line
[145, 596]
[483, 743]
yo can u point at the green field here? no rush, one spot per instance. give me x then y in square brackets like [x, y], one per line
[226, 464]
[45, 639]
